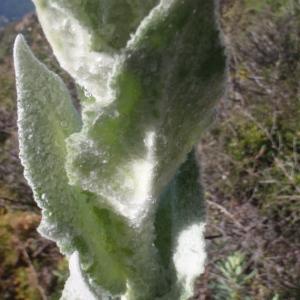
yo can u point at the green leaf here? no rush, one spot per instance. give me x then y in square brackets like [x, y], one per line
[45, 117]
[163, 96]
[120, 192]
[94, 31]
[179, 224]
[71, 217]
[109, 22]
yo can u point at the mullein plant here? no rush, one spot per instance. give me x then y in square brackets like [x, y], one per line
[118, 183]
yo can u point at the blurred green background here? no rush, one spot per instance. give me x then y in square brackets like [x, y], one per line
[250, 164]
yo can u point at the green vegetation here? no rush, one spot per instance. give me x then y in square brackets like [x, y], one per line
[31, 268]
[250, 162]
[234, 279]
[252, 154]
[101, 179]
[261, 132]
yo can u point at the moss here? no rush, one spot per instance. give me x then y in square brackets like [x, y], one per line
[246, 142]
[24, 287]
[15, 277]
[262, 162]
[18, 277]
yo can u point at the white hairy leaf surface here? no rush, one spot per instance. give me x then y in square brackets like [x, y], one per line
[106, 245]
[119, 185]
[88, 36]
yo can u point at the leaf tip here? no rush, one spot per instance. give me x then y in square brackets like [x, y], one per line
[22, 54]
[19, 45]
